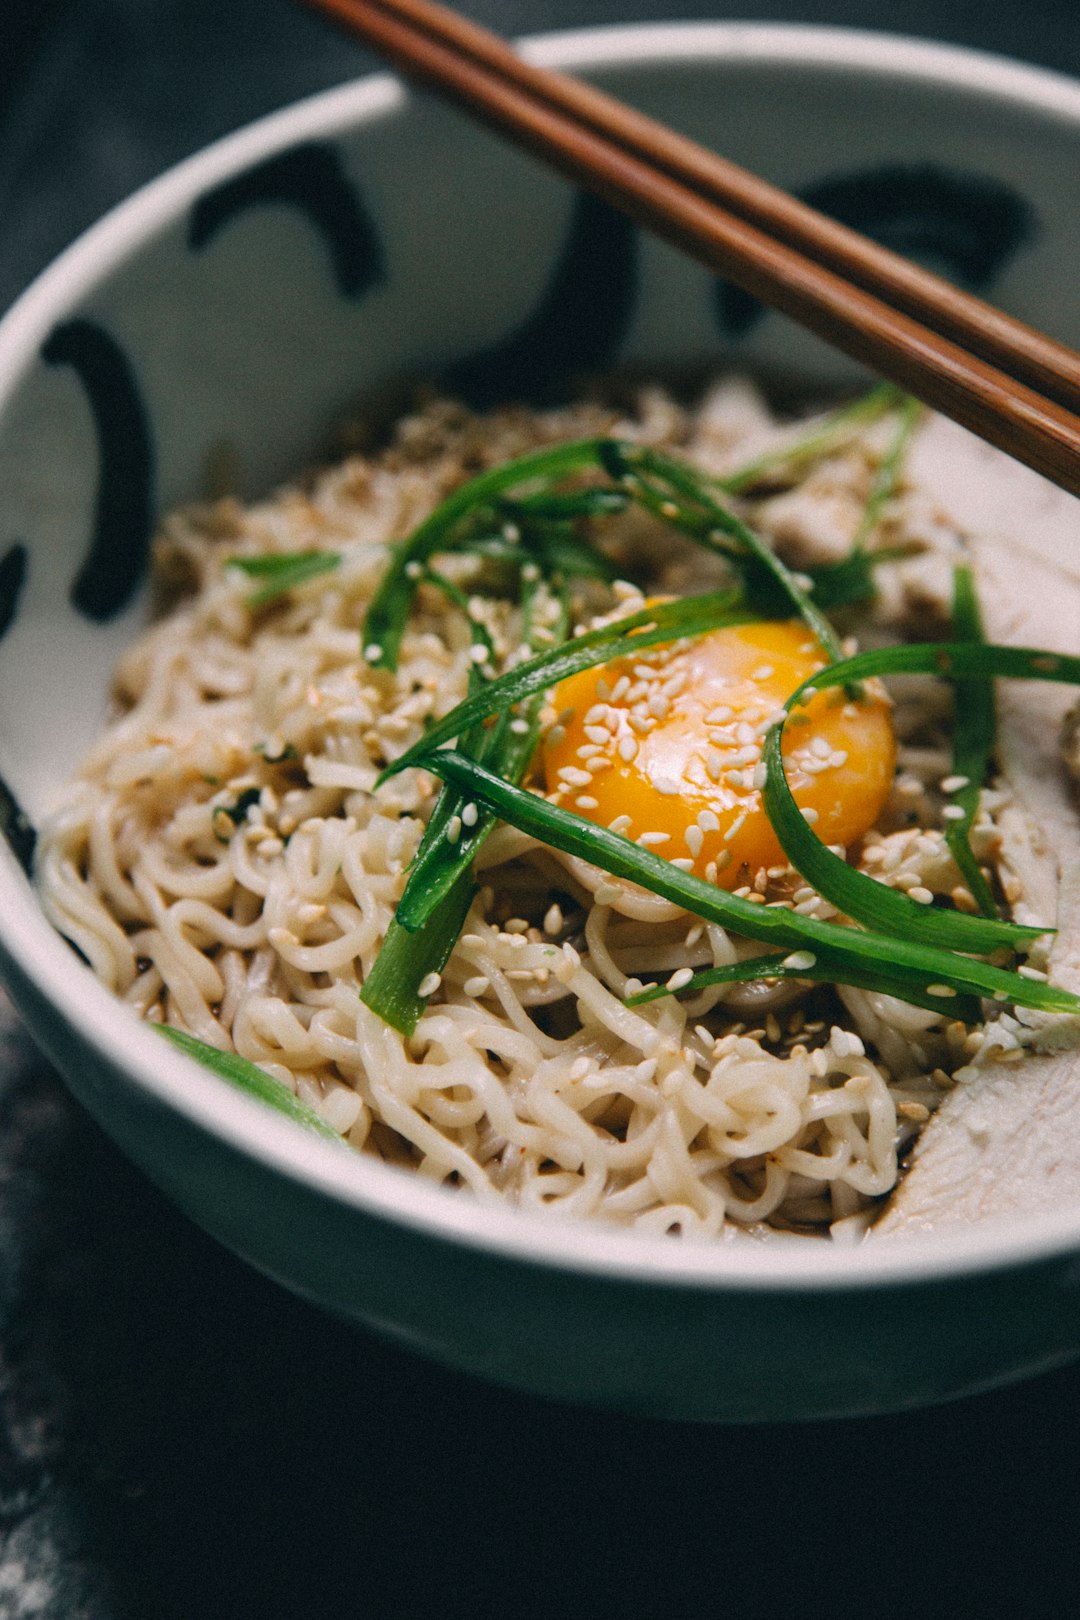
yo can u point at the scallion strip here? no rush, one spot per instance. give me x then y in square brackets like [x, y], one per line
[248, 1077]
[818, 967]
[854, 893]
[663, 484]
[887, 475]
[900, 960]
[283, 571]
[384, 625]
[835, 430]
[651, 627]
[974, 731]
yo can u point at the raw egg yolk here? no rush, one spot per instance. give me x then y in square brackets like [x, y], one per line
[666, 748]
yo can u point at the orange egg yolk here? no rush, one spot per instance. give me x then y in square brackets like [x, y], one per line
[666, 748]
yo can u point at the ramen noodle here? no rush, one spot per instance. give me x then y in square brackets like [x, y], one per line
[229, 862]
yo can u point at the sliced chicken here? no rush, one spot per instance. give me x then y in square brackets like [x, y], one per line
[1006, 1139]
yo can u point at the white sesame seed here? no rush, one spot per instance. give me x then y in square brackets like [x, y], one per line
[764, 672]
[585, 801]
[373, 652]
[809, 815]
[954, 812]
[708, 821]
[648, 839]
[453, 829]
[680, 977]
[695, 838]
[923, 896]
[799, 961]
[477, 985]
[619, 825]
[480, 653]
[469, 815]
[953, 784]
[628, 748]
[682, 863]
[553, 919]
[940, 990]
[735, 827]
[413, 569]
[428, 985]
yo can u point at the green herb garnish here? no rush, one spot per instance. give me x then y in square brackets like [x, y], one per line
[894, 961]
[248, 1077]
[853, 893]
[974, 730]
[283, 572]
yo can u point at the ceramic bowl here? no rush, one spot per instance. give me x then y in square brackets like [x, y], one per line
[246, 299]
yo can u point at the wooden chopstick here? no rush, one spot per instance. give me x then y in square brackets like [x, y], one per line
[957, 353]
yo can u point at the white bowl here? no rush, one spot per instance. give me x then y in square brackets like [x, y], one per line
[249, 296]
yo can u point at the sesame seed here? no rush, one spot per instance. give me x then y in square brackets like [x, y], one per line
[619, 825]
[648, 839]
[953, 784]
[679, 978]
[764, 672]
[453, 829]
[469, 815]
[735, 827]
[628, 748]
[373, 652]
[477, 985]
[809, 815]
[953, 812]
[923, 896]
[940, 990]
[413, 569]
[799, 961]
[428, 985]
[695, 838]
[480, 653]
[553, 919]
[585, 801]
[682, 863]
[708, 821]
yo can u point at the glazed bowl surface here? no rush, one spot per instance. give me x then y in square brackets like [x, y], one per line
[237, 308]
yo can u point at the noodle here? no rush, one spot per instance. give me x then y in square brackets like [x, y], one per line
[225, 864]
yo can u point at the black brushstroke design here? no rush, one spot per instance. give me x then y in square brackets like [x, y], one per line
[16, 827]
[310, 178]
[576, 327]
[123, 510]
[12, 577]
[966, 226]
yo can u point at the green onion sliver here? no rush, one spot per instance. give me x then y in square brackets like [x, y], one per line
[898, 959]
[819, 967]
[651, 627]
[389, 609]
[854, 893]
[281, 573]
[248, 1077]
[662, 483]
[836, 429]
[974, 731]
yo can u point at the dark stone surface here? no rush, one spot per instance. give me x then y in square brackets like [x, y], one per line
[178, 1437]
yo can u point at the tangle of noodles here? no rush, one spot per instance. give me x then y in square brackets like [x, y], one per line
[224, 864]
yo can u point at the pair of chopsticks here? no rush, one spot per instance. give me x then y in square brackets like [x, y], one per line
[1006, 382]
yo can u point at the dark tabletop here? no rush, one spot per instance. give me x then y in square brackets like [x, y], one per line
[178, 1437]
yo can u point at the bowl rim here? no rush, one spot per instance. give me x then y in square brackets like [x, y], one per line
[31, 949]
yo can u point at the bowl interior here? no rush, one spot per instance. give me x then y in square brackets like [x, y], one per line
[231, 314]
